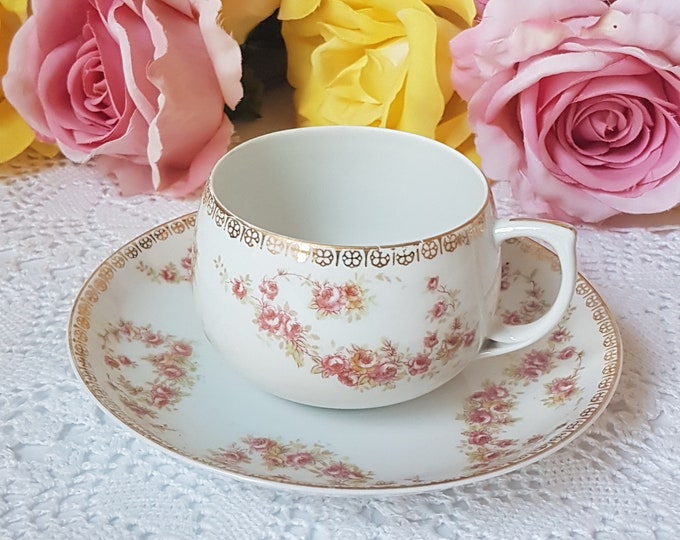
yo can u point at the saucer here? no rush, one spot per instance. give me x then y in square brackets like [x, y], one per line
[137, 346]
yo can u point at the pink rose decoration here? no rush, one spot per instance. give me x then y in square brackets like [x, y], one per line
[576, 103]
[141, 84]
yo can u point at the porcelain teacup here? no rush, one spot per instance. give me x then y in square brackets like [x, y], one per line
[356, 267]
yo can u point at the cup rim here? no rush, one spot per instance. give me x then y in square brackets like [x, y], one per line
[209, 197]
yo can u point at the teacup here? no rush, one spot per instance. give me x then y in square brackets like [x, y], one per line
[356, 267]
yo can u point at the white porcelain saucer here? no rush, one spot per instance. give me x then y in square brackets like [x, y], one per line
[136, 344]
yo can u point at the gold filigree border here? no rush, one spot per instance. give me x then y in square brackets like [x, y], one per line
[347, 256]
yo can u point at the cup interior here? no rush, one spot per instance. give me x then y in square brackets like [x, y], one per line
[349, 186]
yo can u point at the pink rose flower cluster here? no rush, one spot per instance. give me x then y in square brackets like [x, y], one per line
[576, 104]
[140, 84]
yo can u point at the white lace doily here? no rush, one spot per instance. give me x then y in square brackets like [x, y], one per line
[68, 471]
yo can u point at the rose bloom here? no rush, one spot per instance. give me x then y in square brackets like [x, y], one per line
[354, 296]
[418, 365]
[300, 459]
[292, 331]
[348, 378]
[161, 395]
[480, 416]
[181, 348]
[334, 364]
[172, 372]
[469, 338]
[564, 387]
[269, 289]
[511, 317]
[363, 359]
[140, 84]
[479, 438]
[152, 338]
[430, 340]
[271, 320]
[168, 274]
[537, 359]
[377, 63]
[567, 353]
[438, 310]
[239, 289]
[384, 373]
[576, 103]
[329, 299]
[111, 362]
[261, 444]
[495, 392]
[232, 457]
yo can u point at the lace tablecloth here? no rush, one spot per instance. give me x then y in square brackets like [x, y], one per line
[68, 471]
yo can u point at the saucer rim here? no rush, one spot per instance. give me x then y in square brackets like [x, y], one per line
[588, 414]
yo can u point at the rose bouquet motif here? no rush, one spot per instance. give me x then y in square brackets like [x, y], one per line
[576, 103]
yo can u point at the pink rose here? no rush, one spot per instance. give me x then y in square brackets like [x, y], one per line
[232, 457]
[480, 416]
[567, 353]
[576, 103]
[269, 289]
[301, 459]
[479, 438]
[161, 395]
[329, 299]
[334, 364]
[172, 372]
[419, 364]
[430, 340]
[292, 331]
[564, 387]
[495, 392]
[181, 348]
[261, 444]
[511, 317]
[438, 310]
[141, 84]
[384, 373]
[239, 289]
[271, 319]
[469, 338]
[151, 338]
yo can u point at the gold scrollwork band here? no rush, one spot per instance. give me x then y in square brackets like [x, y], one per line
[350, 257]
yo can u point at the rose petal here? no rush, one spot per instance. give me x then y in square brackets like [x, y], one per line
[127, 25]
[196, 108]
[223, 51]
[17, 83]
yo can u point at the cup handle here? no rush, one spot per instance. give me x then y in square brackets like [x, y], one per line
[505, 338]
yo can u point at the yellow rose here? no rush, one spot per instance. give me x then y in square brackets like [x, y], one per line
[239, 17]
[378, 63]
[15, 135]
